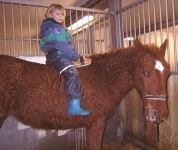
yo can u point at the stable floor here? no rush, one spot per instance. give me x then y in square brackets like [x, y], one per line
[54, 143]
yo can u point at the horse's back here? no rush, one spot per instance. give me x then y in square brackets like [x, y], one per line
[35, 94]
[32, 91]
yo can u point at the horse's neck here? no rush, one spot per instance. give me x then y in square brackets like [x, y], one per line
[121, 69]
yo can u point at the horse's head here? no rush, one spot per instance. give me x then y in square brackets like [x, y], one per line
[151, 79]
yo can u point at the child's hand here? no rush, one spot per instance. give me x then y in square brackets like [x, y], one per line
[82, 60]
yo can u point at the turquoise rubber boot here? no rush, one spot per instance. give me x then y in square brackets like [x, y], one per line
[74, 108]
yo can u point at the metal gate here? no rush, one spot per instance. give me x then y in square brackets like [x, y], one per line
[20, 22]
[152, 21]
[19, 28]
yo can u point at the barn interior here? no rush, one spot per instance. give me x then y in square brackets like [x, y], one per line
[96, 26]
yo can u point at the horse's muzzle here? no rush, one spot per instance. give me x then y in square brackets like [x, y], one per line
[152, 115]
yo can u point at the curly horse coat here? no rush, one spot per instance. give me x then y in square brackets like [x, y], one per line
[34, 94]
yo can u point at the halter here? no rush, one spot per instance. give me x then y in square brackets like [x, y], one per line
[155, 97]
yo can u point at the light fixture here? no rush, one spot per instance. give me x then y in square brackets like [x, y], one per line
[129, 38]
[82, 23]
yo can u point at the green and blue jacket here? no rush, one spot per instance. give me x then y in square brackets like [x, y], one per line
[55, 42]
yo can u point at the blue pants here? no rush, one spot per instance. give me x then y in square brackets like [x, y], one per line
[72, 84]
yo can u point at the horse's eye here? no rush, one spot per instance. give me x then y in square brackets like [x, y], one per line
[146, 73]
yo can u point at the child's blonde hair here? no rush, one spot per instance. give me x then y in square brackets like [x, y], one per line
[52, 7]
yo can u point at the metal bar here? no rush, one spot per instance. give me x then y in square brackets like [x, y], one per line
[76, 141]
[119, 19]
[70, 24]
[99, 28]
[46, 4]
[131, 5]
[78, 45]
[123, 29]
[149, 22]
[130, 22]
[113, 22]
[81, 138]
[110, 36]
[104, 30]
[174, 35]
[23, 2]
[44, 11]
[78, 138]
[139, 20]
[154, 13]
[70, 17]
[160, 20]
[167, 30]
[83, 37]
[94, 31]
[126, 26]
[37, 30]
[85, 138]
[88, 28]
[18, 39]
[118, 30]
[21, 30]
[151, 27]
[18, 44]
[13, 33]
[135, 30]
[4, 29]
[143, 8]
[29, 29]
[90, 10]
[116, 23]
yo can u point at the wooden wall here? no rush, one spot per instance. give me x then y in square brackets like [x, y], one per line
[169, 128]
[132, 115]
[166, 138]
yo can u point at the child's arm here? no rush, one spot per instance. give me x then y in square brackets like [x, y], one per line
[67, 50]
[56, 39]
[82, 60]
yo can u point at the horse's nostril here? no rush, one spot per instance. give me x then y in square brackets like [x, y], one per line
[152, 115]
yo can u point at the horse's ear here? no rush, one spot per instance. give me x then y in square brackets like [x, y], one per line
[137, 43]
[163, 48]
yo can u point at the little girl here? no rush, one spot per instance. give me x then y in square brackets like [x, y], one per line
[55, 42]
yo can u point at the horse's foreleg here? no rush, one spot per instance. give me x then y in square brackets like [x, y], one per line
[95, 134]
[2, 118]
[3, 115]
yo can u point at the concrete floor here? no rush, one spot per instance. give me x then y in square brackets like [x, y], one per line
[125, 145]
[55, 143]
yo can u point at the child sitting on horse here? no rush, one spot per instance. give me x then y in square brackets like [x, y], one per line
[55, 42]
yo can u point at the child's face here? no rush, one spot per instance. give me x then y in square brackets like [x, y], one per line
[58, 15]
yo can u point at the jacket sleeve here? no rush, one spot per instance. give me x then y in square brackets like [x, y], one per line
[56, 39]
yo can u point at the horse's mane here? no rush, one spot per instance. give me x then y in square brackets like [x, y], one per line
[149, 49]
[97, 58]
[152, 49]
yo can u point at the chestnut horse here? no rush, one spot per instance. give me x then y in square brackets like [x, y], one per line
[34, 93]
